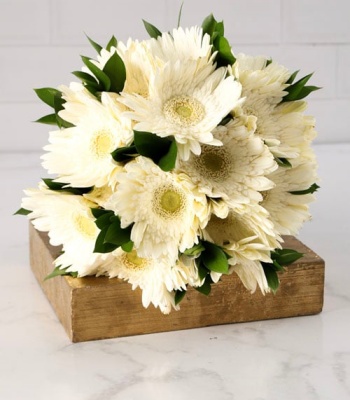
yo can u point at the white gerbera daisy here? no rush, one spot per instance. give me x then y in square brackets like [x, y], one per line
[289, 211]
[257, 76]
[140, 64]
[148, 274]
[156, 278]
[81, 155]
[251, 273]
[280, 125]
[182, 44]
[234, 172]
[69, 222]
[165, 209]
[244, 236]
[186, 102]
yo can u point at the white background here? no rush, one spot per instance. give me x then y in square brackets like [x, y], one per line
[41, 40]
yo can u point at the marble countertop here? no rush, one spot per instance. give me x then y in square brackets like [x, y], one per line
[296, 358]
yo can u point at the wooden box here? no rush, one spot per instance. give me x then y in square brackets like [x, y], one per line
[98, 308]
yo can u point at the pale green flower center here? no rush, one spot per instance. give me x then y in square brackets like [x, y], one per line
[133, 261]
[214, 163]
[184, 111]
[229, 230]
[85, 226]
[169, 201]
[102, 144]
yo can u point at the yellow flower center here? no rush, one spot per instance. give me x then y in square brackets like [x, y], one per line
[184, 110]
[214, 163]
[102, 143]
[85, 226]
[169, 201]
[133, 261]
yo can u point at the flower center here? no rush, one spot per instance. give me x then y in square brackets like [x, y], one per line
[184, 111]
[214, 162]
[169, 201]
[85, 226]
[102, 143]
[133, 261]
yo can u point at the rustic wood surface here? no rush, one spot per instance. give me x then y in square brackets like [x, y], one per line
[97, 308]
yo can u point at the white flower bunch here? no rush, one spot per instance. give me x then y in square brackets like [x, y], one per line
[176, 161]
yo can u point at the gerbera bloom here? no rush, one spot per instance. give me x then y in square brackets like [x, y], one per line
[244, 236]
[261, 78]
[234, 172]
[81, 155]
[165, 209]
[140, 64]
[289, 211]
[156, 278]
[186, 100]
[182, 44]
[280, 125]
[69, 222]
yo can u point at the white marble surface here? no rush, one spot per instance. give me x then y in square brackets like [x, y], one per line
[298, 358]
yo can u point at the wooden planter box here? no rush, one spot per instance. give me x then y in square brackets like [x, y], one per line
[99, 308]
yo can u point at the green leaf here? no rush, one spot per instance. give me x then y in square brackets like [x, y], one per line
[202, 269]
[58, 106]
[168, 161]
[179, 16]
[312, 189]
[93, 90]
[128, 246]
[116, 234]
[195, 250]
[305, 91]
[283, 162]
[150, 145]
[101, 246]
[49, 119]
[104, 221]
[268, 62]
[179, 296]
[95, 45]
[214, 258]
[209, 25]
[124, 153]
[116, 72]
[47, 95]
[98, 212]
[57, 186]
[152, 30]
[285, 256]
[60, 272]
[277, 266]
[113, 42]
[292, 77]
[103, 79]
[226, 119]
[86, 78]
[224, 56]
[219, 28]
[206, 287]
[298, 90]
[271, 277]
[22, 211]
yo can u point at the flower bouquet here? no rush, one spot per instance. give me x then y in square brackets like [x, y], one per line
[176, 161]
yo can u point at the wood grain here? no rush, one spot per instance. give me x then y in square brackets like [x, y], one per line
[98, 308]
